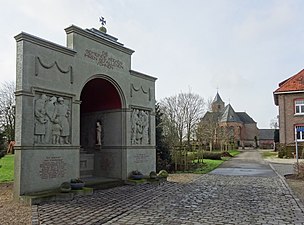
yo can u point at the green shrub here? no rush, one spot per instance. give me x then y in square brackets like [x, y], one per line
[212, 155]
[288, 151]
[163, 173]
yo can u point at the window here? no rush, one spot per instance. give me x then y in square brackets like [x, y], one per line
[300, 133]
[299, 106]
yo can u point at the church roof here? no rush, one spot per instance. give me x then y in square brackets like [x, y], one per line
[217, 98]
[229, 115]
[211, 116]
[245, 118]
[266, 134]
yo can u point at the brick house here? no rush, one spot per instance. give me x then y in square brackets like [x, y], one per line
[266, 138]
[290, 99]
[239, 126]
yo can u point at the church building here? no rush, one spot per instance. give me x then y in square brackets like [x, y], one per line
[237, 128]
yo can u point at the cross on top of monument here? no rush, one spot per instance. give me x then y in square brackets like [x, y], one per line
[102, 21]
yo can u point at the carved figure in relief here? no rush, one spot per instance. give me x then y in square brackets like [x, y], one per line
[40, 119]
[56, 130]
[50, 110]
[134, 120]
[98, 133]
[145, 127]
[62, 115]
[139, 127]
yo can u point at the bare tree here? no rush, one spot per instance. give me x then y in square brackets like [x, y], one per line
[274, 123]
[174, 114]
[223, 136]
[195, 107]
[7, 109]
[207, 129]
[183, 112]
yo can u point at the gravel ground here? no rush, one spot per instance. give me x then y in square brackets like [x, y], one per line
[296, 185]
[12, 213]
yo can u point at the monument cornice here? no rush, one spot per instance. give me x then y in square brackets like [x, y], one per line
[98, 38]
[47, 147]
[44, 43]
[142, 75]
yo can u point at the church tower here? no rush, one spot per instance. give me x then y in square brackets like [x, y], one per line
[217, 104]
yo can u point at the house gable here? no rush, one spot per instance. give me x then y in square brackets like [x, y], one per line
[294, 84]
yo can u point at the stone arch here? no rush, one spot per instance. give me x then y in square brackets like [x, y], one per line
[102, 102]
[111, 82]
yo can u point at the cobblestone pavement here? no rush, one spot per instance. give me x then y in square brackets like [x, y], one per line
[210, 199]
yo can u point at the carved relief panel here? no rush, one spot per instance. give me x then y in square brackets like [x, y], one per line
[140, 127]
[52, 124]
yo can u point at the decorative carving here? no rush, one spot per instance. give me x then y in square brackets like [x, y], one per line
[140, 127]
[103, 59]
[52, 120]
[38, 61]
[63, 114]
[147, 92]
[40, 119]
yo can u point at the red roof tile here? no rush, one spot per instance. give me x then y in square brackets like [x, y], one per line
[294, 83]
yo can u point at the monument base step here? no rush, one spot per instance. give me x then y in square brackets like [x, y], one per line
[146, 181]
[100, 183]
[53, 195]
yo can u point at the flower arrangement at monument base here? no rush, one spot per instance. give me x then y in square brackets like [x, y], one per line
[77, 184]
[136, 175]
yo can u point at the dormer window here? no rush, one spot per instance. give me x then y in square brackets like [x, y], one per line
[299, 106]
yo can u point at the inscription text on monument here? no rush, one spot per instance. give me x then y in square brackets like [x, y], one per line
[52, 167]
[102, 59]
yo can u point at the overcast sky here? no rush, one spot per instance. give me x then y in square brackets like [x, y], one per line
[242, 47]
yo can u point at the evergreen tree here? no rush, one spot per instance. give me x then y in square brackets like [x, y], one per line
[2, 145]
[163, 156]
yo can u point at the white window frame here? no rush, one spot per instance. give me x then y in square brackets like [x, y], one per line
[299, 135]
[299, 104]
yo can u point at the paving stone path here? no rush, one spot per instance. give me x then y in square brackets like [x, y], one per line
[210, 199]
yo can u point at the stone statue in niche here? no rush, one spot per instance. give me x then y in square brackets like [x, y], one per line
[40, 119]
[52, 124]
[98, 132]
[139, 127]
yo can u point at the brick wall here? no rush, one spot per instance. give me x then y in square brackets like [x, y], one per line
[287, 119]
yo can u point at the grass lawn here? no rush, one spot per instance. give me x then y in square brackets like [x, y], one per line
[234, 152]
[269, 154]
[7, 168]
[211, 164]
[208, 165]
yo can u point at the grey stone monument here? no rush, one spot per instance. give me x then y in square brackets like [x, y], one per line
[81, 111]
